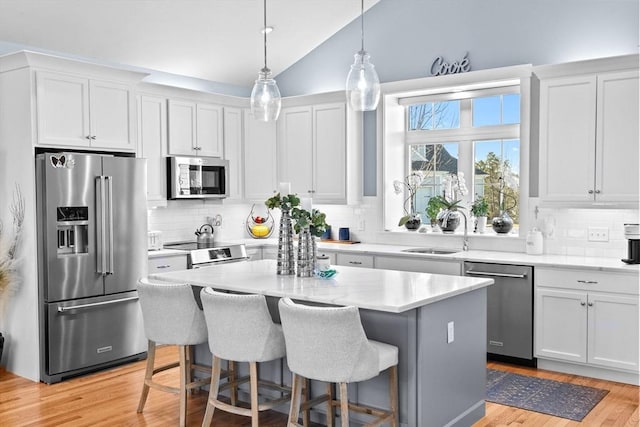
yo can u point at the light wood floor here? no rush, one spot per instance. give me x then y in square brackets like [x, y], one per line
[110, 398]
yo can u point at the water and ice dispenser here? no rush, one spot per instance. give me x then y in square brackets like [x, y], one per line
[72, 229]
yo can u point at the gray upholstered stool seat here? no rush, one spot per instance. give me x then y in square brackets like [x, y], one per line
[171, 316]
[241, 330]
[329, 344]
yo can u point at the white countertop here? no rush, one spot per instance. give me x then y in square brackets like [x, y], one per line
[367, 288]
[564, 261]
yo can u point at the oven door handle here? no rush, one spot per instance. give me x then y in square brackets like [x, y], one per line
[95, 304]
[492, 274]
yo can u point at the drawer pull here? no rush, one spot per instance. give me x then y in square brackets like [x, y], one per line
[588, 282]
[355, 262]
[164, 266]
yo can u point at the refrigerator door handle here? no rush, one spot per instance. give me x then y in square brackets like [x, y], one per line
[109, 212]
[95, 304]
[101, 226]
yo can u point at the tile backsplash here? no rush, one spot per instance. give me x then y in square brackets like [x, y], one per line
[565, 230]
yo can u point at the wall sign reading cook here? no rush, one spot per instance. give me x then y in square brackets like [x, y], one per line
[439, 67]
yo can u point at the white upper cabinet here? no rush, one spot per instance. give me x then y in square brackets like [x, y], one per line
[233, 150]
[589, 138]
[312, 151]
[260, 159]
[74, 111]
[195, 129]
[152, 128]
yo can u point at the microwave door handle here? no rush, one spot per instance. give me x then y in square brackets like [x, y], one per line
[109, 221]
[100, 226]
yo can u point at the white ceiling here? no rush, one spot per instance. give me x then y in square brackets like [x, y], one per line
[216, 40]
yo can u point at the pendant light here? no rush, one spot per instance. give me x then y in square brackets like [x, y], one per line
[363, 85]
[265, 96]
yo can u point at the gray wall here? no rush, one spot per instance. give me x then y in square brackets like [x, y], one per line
[404, 36]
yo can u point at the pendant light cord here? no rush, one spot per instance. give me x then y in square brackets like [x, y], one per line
[264, 30]
[361, 24]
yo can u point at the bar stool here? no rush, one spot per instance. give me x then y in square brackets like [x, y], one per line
[329, 344]
[241, 330]
[171, 316]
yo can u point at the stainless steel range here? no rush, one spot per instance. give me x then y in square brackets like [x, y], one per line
[199, 258]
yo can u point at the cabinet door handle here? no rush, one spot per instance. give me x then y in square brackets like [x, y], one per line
[590, 304]
[355, 262]
[88, 137]
[93, 137]
[597, 191]
[590, 191]
[582, 303]
[588, 282]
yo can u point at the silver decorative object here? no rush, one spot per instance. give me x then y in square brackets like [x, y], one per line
[306, 253]
[286, 260]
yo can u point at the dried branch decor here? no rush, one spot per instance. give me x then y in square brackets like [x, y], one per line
[9, 247]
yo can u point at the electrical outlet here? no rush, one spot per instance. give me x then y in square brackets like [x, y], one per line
[450, 332]
[598, 234]
[361, 224]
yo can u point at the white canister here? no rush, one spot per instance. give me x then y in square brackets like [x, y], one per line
[534, 242]
[323, 263]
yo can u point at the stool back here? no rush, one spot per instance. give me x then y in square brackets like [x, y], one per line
[327, 343]
[170, 313]
[240, 327]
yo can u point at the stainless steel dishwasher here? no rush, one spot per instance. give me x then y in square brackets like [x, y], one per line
[509, 311]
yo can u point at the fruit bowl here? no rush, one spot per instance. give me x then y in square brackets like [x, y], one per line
[259, 226]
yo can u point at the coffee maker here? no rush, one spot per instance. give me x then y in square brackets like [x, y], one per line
[632, 233]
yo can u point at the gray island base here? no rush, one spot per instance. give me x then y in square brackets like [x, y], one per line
[441, 383]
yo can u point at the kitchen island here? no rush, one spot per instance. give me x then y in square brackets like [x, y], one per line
[438, 322]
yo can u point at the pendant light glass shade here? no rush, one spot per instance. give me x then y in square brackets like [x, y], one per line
[265, 96]
[363, 85]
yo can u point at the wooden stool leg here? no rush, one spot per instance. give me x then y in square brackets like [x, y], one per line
[182, 349]
[213, 392]
[151, 356]
[330, 414]
[393, 394]
[231, 377]
[296, 391]
[253, 376]
[344, 405]
[307, 395]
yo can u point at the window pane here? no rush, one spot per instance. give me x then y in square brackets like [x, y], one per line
[434, 115]
[511, 109]
[496, 175]
[435, 161]
[486, 111]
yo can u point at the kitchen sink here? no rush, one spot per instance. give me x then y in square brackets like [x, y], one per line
[431, 251]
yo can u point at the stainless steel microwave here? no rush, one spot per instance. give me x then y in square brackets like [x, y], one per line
[197, 178]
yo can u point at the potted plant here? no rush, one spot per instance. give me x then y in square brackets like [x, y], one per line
[411, 220]
[449, 217]
[480, 209]
[433, 208]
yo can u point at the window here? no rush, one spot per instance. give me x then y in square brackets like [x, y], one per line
[477, 134]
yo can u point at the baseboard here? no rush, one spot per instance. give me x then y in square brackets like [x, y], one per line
[632, 378]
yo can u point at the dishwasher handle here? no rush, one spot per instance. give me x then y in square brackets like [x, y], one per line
[493, 274]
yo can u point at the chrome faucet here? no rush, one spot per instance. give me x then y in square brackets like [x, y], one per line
[465, 239]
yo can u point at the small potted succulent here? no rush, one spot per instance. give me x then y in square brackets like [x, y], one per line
[480, 209]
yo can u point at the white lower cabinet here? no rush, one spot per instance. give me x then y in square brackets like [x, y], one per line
[354, 260]
[164, 264]
[587, 317]
[434, 266]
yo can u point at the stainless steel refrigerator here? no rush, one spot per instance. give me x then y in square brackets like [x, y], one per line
[92, 248]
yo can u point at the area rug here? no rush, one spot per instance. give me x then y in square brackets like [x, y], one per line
[550, 397]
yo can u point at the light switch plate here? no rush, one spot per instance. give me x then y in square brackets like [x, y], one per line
[598, 234]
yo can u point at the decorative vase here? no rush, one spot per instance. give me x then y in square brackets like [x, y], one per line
[414, 222]
[286, 259]
[502, 224]
[481, 224]
[306, 253]
[448, 220]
